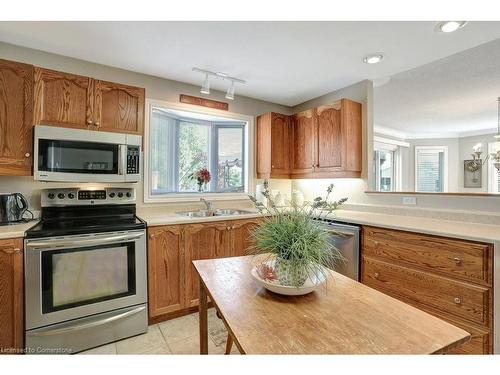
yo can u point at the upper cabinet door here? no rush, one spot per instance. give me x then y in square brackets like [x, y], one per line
[330, 151]
[280, 152]
[16, 118]
[303, 142]
[119, 108]
[63, 99]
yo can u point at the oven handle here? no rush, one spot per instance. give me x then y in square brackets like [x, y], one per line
[50, 244]
[91, 324]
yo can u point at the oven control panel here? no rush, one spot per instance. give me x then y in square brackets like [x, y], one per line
[78, 197]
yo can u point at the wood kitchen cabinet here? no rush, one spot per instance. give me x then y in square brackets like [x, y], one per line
[119, 108]
[204, 241]
[273, 145]
[16, 118]
[63, 99]
[11, 296]
[303, 135]
[173, 281]
[322, 142]
[166, 269]
[446, 277]
[70, 100]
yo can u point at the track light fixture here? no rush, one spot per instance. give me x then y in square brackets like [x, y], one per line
[230, 92]
[205, 87]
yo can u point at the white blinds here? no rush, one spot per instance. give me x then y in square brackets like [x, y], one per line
[430, 169]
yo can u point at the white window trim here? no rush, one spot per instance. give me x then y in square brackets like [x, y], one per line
[195, 197]
[446, 171]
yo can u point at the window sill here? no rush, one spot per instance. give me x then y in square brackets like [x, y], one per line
[194, 197]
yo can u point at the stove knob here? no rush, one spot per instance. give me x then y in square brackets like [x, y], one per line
[51, 195]
[112, 194]
[71, 195]
[60, 195]
[120, 195]
[129, 194]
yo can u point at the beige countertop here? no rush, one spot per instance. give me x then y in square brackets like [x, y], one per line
[447, 228]
[16, 230]
[169, 218]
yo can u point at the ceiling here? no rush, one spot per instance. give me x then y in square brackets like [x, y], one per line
[452, 97]
[283, 62]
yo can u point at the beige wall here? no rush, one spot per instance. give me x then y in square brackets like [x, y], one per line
[168, 90]
[156, 88]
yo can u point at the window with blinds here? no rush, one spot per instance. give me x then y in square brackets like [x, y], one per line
[431, 169]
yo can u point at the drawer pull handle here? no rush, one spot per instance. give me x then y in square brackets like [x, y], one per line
[375, 243]
[457, 260]
[457, 300]
[376, 275]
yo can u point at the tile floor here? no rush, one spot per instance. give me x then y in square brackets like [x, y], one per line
[176, 336]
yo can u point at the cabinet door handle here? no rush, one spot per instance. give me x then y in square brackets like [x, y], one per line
[228, 228]
[272, 166]
[457, 260]
[89, 121]
[457, 301]
[376, 275]
[97, 124]
[375, 243]
[27, 155]
[15, 250]
[232, 227]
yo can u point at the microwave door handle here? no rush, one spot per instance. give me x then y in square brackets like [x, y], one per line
[122, 164]
[49, 244]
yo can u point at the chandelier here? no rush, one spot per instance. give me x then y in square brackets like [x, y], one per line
[476, 162]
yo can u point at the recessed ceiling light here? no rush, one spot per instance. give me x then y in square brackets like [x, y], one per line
[450, 26]
[374, 58]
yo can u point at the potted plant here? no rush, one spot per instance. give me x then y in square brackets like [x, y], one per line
[202, 177]
[297, 247]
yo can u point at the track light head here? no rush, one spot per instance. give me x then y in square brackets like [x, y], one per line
[230, 92]
[205, 87]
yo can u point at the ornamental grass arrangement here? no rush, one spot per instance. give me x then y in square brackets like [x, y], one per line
[296, 244]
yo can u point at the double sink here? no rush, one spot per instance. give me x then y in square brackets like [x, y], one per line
[210, 213]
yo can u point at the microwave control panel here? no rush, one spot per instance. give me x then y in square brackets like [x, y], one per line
[133, 157]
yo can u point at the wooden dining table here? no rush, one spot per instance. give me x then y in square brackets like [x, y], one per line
[344, 317]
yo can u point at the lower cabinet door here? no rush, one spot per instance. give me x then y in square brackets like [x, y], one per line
[166, 270]
[11, 296]
[203, 241]
[242, 236]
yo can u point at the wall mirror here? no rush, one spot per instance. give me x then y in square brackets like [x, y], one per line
[437, 126]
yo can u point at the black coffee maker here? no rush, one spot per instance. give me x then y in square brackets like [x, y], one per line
[12, 208]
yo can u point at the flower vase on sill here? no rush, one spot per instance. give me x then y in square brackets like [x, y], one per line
[202, 177]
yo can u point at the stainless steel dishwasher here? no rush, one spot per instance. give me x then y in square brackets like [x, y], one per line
[345, 237]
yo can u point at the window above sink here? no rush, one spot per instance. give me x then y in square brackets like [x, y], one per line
[180, 141]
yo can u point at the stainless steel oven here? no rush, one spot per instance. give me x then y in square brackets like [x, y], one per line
[85, 290]
[74, 155]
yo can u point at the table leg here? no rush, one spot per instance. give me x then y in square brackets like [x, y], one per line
[203, 320]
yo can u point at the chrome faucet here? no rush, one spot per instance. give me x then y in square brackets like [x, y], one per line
[207, 204]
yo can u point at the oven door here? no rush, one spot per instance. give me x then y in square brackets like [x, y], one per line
[75, 276]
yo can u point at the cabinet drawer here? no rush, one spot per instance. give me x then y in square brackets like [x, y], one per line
[469, 261]
[460, 299]
[480, 342]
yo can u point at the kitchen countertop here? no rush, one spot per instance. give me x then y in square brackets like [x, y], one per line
[169, 218]
[438, 227]
[448, 228]
[15, 230]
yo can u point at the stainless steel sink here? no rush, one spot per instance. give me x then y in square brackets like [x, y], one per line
[209, 213]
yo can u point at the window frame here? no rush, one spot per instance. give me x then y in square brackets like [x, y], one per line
[248, 154]
[444, 149]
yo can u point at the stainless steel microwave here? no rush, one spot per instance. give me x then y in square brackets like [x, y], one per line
[74, 155]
